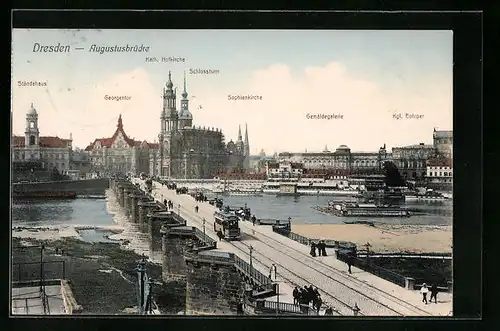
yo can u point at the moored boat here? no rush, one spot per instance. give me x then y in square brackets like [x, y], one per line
[429, 194]
[355, 209]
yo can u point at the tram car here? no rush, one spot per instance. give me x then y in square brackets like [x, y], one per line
[227, 224]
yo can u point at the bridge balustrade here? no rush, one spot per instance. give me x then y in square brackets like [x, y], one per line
[203, 237]
[253, 273]
[363, 264]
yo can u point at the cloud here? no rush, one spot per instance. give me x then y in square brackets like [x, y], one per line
[276, 123]
[279, 123]
[87, 114]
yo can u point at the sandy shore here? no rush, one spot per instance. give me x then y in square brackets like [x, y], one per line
[58, 232]
[384, 237]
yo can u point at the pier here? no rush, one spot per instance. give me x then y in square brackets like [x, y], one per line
[219, 275]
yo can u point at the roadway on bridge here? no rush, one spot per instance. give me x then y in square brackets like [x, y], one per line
[373, 295]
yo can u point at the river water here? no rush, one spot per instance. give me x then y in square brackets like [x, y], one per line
[102, 212]
[301, 210]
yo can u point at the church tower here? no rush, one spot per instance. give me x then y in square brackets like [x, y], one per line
[169, 124]
[239, 142]
[32, 134]
[185, 117]
[247, 145]
[169, 114]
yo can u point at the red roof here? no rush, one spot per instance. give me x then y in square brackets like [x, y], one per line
[51, 142]
[108, 142]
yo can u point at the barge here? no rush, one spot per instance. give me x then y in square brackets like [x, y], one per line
[318, 188]
[370, 210]
[44, 195]
[429, 195]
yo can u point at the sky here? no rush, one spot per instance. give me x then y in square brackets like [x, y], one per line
[368, 77]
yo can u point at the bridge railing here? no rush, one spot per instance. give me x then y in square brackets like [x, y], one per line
[365, 265]
[182, 230]
[203, 237]
[284, 307]
[253, 273]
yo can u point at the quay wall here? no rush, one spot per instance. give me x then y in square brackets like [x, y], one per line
[81, 187]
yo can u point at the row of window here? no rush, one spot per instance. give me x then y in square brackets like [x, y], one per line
[24, 156]
[440, 174]
[439, 168]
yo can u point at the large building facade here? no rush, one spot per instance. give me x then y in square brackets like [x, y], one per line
[412, 161]
[119, 153]
[186, 151]
[340, 162]
[43, 153]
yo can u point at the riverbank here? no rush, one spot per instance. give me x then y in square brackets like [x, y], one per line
[387, 238]
[102, 274]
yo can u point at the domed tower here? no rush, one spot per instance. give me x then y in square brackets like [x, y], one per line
[185, 117]
[32, 134]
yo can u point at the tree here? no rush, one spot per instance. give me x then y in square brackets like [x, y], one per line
[392, 175]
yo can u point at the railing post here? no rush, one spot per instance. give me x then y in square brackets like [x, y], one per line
[41, 268]
[277, 298]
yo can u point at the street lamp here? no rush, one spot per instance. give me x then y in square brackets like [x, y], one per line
[179, 209]
[204, 220]
[41, 268]
[251, 249]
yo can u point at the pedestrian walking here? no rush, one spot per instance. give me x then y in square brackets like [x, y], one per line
[319, 302]
[424, 290]
[434, 292]
[253, 220]
[355, 309]
[220, 235]
[323, 248]
[311, 295]
[295, 294]
[349, 264]
[313, 250]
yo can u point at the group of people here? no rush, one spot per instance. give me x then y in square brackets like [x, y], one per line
[306, 296]
[200, 197]
[321, 246]
[169, 204]
[425, 290]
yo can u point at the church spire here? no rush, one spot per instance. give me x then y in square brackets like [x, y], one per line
[184, 93]
[120, 124]
[247, 145]
[169, 82]
[239, 133]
